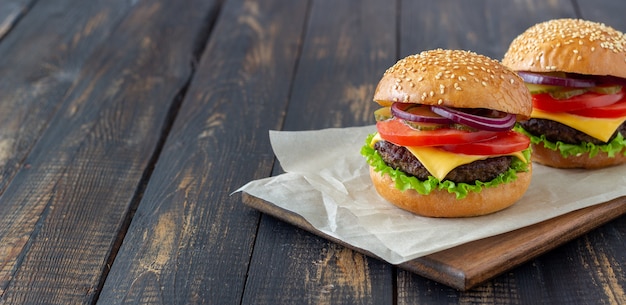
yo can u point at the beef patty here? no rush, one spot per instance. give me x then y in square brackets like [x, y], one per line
[399, 157]
[555, 131]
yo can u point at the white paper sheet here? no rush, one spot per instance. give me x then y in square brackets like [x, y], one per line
[327, 182]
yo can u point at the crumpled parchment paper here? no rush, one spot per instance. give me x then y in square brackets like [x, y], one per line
[327, 182]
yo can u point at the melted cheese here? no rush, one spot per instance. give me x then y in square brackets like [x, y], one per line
[599, 128]
[439, 162]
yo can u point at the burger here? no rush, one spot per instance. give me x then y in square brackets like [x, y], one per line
[575, 71]
[444, 145]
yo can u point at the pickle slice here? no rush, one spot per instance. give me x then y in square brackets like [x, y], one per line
[612, 89]
[424, 126]
[537, 88]
[382, 114]
[567, 93]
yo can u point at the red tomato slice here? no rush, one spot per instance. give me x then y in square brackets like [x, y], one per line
[611, 111]
[504, 143]
[586, 100]
[399, 133]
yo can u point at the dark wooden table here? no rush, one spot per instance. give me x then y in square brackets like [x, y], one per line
[126, 125]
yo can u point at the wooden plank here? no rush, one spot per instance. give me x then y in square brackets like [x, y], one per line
[10, 12]
[38, 65]
[604, 11]
[337, 74]
[486, 26]
[190, 241]
[63, 216]
[465, 266]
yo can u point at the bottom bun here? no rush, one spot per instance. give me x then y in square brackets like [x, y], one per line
[554, 158]
[440, 203]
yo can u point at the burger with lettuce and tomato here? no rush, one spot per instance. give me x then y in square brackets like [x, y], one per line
[575, 70]
[444, 145]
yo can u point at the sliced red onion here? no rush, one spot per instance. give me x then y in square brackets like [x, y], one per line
[476, 121]
[400, 110]
[609, 80]
[542, 79]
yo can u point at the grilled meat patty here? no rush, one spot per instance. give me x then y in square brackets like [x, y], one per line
[555, 131]
[399, 157]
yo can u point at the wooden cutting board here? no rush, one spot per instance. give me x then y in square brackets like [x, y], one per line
[470, 264]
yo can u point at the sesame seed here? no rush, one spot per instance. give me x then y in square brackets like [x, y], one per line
[484, 84]
[440, 101]
[586, 34]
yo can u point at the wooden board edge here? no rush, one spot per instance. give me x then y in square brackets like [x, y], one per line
[448, 266]
[296, 220]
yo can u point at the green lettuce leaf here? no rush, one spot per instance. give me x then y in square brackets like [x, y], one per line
[613, 147]
[424, 187]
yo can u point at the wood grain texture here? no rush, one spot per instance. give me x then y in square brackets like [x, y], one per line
[338, 70]
[486, 26]
[468, 265]
[39, 63]
[10, 12]
[63, 214]
[89, 91]
[190, 241]
[465, 266]
[604, 11]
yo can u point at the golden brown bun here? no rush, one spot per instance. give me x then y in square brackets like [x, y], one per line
[440, 203]
[454, 78]
[554, 158]
[569, 45]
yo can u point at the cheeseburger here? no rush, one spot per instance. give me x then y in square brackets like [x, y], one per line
[444, 145]
[575, 70]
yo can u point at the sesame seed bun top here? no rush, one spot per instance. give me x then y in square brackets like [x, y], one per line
[454, 78]
[569, 45]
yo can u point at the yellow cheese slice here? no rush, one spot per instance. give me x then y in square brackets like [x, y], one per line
[599, 128]
[439, 162]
